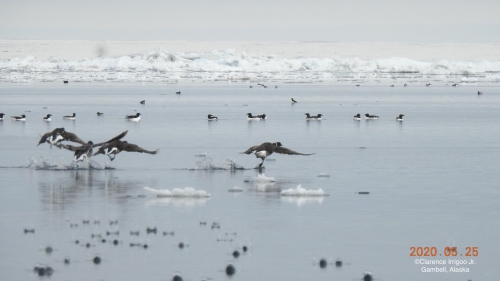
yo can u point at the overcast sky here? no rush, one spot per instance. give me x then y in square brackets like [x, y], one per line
[426, 21]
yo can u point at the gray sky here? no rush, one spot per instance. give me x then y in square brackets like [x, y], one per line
[426, 21]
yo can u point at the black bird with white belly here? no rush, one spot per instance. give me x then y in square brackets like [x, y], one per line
[117, 146]
[85, 151]
[1, 116]
[135, 117]
[212, 118]
[19, 118]
[70, 117]
[265, 149]
[47, 118]
[313, 118]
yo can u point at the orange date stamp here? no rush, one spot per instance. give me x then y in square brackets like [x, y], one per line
[446, 252]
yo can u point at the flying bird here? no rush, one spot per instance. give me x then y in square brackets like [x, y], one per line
[58, 135]
[265, 149]
[117, 146]
[85, 151]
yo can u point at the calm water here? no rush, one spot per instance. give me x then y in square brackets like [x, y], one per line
[433, 181]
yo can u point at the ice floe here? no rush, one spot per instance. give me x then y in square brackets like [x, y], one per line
[178, 192]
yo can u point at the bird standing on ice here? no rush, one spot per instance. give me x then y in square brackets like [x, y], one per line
[265, 149]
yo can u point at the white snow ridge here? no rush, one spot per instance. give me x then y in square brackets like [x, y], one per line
[179, 192]
[302, 192]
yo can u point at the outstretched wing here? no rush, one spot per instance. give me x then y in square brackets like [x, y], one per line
[251, 149]
[44, 138]
[130, 147]
[72, 137]
[284, 150]
[120, 136]
[68, 147]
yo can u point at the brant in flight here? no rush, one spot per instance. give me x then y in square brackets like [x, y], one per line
[1, 116]
[400, 118]
[117, 146]
[58, 135]
[212, 118]
[143, 101]
[265, 149]
[357, 117]
[136, 117]
[19, 118]
[99, 113]
[293, 101]
[47, 118]
[313, 118]
[250, 117]
[368, 116]
[85, 151]
[72, 117]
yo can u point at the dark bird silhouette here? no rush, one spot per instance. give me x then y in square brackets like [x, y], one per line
[479, 93]
[47, 118]
[136, 117]
[313, 118]
[400, 117]
[1, 116]
[293, 101]
[71, 117]
[212, 118]
[265, 149]
[85, 151]
[58, 135]
[19, 118]
[117, 146]
[143, 101]
[99, 113]
[179, 92]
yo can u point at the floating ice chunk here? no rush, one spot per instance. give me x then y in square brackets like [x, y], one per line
[263, 178]
[324, 175]
[178, 192]
[235, 189]
[299, 191]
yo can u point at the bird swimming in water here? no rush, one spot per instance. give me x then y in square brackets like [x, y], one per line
[136, 117]
[1, 116]
[265, 149]
[293, 101]
[71, 117]
[47, 118]
[313, 118]
[19, 118]
[212, 118]
[117, 146]
[99, 113]
[357, 117]
[251, 117]
[143, 101]
[85, 151]
[400, 118]
[368, 116]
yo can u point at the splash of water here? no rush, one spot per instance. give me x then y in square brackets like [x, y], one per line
[207, 163]
[44, 164]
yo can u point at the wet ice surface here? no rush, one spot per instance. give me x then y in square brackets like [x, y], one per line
[432, 181]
